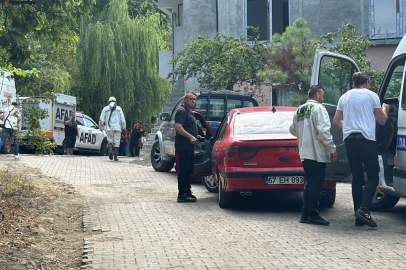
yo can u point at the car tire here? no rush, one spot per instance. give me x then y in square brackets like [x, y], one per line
[6, 148]
[103, 149]
[383, 202]
[226, 199]
[211, 183]
[328, 199]
[158, 164]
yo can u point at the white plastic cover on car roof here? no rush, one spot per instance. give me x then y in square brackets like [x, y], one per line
[263, 123]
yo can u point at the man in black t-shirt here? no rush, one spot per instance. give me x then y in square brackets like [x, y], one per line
[71, 132]
[135, 140]
[186, 138]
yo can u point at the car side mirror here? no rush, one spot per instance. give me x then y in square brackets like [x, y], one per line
[164, 116]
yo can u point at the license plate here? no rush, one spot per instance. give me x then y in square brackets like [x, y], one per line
[284, 180]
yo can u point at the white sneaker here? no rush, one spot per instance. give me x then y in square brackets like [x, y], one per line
[17, 157]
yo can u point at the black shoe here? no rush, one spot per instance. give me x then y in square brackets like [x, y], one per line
[317, 220]
[186, 198]
[111, 156]
[364, 215]
[359, 222]
[305, 216]
[191, 195]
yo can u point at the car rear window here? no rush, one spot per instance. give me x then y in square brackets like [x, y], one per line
[263, 123]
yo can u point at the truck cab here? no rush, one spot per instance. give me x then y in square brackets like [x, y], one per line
[334, 72]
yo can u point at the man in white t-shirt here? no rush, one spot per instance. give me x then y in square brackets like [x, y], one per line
[11, 117]
[357, 113]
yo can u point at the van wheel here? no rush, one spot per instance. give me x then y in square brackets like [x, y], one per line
[104, 151]
[158, 164]
[383, 202]
[329, 198]
[6, 148]
[211, 183]
[226, 199]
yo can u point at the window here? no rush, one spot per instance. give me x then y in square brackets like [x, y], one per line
[269, 16]
[263, 123]
[386, 19]
[223, 128]
[90, 123]
[216, 107]
[201, 106]
[233, 104]
[79, 120]
[393, 82]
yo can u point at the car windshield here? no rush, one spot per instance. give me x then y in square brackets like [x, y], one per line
[263, 123]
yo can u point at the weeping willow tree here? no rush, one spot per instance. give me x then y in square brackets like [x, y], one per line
[120, 58]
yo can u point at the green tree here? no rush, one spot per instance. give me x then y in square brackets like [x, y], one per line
[290, 60]
[37, 19]
[119, 57]
[347, 41]
[221, 62]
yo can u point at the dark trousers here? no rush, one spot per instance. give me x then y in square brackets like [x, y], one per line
[315, 175]
[363, 156]
[185, 170]
[122, 151]
[134, 149]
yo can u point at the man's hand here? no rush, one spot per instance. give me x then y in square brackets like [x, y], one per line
[385, 107]
[193, 140]
[335, 157]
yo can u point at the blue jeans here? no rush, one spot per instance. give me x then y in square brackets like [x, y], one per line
[5, 133]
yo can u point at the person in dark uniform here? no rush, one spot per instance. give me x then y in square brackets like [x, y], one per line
[186, 137]
[135, 140]
[71, 132]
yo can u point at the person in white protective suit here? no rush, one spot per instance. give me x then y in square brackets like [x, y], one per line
[112, 120]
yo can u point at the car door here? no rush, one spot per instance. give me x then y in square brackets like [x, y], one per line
[333, 72]
[169, 131]
[393, 93]
[80, 142]
[94, 138]
[202, 150]
[218, 153]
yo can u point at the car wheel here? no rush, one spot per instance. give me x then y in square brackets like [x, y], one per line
[211, 183]
[6, 148]
[158, 164]
[225, 198]
[383, 202]
[328, 199]
[103, 149]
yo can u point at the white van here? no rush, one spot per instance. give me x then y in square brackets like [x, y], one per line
[90, 137]
[334, 73]
[7, 96]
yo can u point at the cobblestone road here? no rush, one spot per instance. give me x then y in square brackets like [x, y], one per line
[139, 225]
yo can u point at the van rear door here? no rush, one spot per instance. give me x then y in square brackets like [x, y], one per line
[333, 72]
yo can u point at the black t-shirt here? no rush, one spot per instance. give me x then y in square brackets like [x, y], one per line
[71, 129]
[136, 134]
[188, 121]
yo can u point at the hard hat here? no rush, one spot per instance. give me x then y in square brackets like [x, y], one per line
[112, 99]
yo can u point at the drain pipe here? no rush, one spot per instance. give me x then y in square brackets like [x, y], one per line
[217, 16]
[173, 42]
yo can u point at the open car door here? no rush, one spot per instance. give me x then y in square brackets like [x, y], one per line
[333, 72]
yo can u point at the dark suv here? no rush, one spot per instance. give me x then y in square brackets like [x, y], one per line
[211, 107]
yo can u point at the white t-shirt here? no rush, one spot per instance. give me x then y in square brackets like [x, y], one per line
[358, 107]
[12, 120]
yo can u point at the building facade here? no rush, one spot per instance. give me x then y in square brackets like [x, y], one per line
[380, 20]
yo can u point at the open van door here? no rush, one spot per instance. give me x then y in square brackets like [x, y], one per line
[333, 72]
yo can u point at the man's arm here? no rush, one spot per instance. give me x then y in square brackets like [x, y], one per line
[382, 114]
[292, 128]
[338, 119]
[179, 129]
[323, 127]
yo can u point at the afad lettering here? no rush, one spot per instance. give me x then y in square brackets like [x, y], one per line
[87, 138]
[401, 143]
[62, 114]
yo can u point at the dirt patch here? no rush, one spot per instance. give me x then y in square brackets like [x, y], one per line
[40, 220]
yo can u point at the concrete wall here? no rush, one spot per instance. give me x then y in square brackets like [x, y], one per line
[231, 17]
[325, 16]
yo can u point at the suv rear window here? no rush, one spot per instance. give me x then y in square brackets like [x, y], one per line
[263, 123]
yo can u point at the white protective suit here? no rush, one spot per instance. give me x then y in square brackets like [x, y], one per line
[114, 124]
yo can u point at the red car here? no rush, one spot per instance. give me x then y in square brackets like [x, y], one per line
[254, 151]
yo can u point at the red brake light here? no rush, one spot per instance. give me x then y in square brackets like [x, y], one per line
[242, 152]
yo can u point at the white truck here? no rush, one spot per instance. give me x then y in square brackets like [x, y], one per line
[90, 137]
[7, 95]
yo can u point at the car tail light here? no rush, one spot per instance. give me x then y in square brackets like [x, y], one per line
[242, 152]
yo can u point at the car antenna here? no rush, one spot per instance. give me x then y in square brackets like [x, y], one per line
[273, 109]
